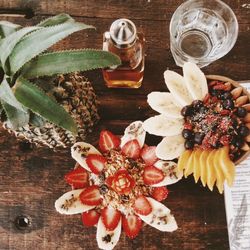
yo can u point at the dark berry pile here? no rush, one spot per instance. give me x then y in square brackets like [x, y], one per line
[215, 121]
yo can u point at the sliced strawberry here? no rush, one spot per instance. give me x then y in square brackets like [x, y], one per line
[148, 155]
[206, 98]
[110, 217]
[221, 86]
[152, 175]
[160, 193]
[108, 141]
[90, 218]
[131, 225]
[109, 181]
[131, 149]
[188, 125]
[122, 182]
[91, 196]
[78, 178]
[96, 163]
[142, 205]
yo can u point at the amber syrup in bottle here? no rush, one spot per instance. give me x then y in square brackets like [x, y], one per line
[124, 41]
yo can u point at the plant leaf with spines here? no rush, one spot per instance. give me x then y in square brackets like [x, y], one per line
[63, 62]
[37, 101]
[7, 28]
[9, 42]
[7, 96]
[36, 120]
[40, 40]
[1, 108]
[55, 20]
[15, 117]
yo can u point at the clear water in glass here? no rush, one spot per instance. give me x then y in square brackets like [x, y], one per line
[202, 31]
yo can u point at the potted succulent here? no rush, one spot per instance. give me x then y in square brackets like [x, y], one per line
[42, 98]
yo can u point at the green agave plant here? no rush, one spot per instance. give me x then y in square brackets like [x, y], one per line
[23, 57]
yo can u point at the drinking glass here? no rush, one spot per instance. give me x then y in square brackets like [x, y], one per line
[202, 31]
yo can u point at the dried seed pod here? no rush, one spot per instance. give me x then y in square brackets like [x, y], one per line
[248, 125]
[228, 86]
[245, 147]
[247, 107]
[236, 92]
[247, 138]
[247, 118]
[240, 101]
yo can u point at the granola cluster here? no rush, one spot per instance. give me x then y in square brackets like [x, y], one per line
[117, 162]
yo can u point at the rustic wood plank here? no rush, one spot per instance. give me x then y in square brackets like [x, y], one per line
[31, 179]
[141, 9]
[31, 182]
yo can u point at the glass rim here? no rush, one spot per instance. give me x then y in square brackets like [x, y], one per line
[219, 55]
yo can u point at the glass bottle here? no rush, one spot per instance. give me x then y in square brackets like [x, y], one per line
[124, 41]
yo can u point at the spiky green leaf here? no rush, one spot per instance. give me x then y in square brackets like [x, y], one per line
[15, 117]
[7, 28]
[6, 95]
[63, 62]
[40, 40]
[55, 20]
[9, 42]
[36, 120]
[1, 108]
[37, 101]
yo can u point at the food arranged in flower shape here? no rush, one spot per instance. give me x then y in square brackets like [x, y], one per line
[121, 187]
[204, 123]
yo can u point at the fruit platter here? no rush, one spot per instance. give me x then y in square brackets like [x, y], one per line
[120, 187]
[204, 122]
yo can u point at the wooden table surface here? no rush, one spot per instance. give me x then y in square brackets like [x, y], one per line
[32, 179]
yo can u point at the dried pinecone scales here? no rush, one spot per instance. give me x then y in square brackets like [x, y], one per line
[76, 94]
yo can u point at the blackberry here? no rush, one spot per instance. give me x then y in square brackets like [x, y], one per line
[189, 144]
[241, 112]
[187, 134]
[228, 104]
[198, 137]
[226, 95]
[197, 104]
[243, 130]
[187, 111]
[237, 141]
[103, 189]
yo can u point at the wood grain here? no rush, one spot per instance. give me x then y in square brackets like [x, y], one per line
[31, 179]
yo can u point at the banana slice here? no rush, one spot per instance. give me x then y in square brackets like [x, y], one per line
[80, 150]
[218, 172]
[204, 166]
[171, 172]
[170, 147]
[182, 162]
[164, 103]
[160, 217]
[196, 163]
[211, 169]
[107, 239]
[176, 85]
[195, 81]
[190, 165]
[163, 126]
[226, 165]
[134, 131]
[69, 203]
